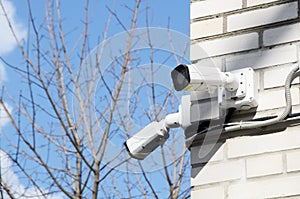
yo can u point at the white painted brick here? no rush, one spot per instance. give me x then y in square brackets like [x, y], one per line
[276, 76]
[258, 2]
[217, 172]
[208, 152]
[264, 165]
[207, 28]
[270, 99]
[210, 62]
[258, 77]
[262, 16]
[266, 188]
[263, 58]
[289, 197]
[214, 192]
[281, 34]
[222, 46]
[293, 161]
[253, 145]
[211, 7]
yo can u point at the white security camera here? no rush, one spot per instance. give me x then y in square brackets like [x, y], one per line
[191, 77]
[150, 137]
[156, 133]
[235, 89]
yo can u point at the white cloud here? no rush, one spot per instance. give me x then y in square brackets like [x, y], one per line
[2, 73]
[7, 40]
[7, 44]
[12, 181]
[3, 116]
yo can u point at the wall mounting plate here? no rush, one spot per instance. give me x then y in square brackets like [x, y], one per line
[245, 97]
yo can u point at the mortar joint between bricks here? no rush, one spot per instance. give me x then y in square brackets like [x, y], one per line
[224, 24]
[260, 38]
[242, 10]
[244, 5]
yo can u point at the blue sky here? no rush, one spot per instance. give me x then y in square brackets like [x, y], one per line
[175, 12]
[167, 13]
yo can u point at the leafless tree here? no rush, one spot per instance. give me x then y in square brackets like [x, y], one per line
[55, 155]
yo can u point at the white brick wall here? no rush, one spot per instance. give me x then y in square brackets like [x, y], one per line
[264, 165]
[201, 154]
[275, 76]
[206, 28]
[223, 46]
[210, 62]
[266, 188]
[293, 161]
[213, 192]
[258, 2]
[281, 34]
[265, 35]
[262, 16]
[217, 172]
[263, 58]
[211, 7]
[254, 145]
[271, 99]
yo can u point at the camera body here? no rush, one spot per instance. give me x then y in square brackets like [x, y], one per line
[192, 77]
[147, 140]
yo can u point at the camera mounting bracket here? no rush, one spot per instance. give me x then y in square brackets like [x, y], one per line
[245, 97]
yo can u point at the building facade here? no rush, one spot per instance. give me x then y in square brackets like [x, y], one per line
[264, 35]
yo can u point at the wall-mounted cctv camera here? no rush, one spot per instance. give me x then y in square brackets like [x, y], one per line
[147, 140]
[150, 137]
[191, 77]
[234, 89]
[155, 134]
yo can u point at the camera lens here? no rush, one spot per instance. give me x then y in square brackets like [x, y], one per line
[180, 77]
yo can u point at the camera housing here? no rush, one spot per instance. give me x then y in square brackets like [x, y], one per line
[147, 140]
[193, 77]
